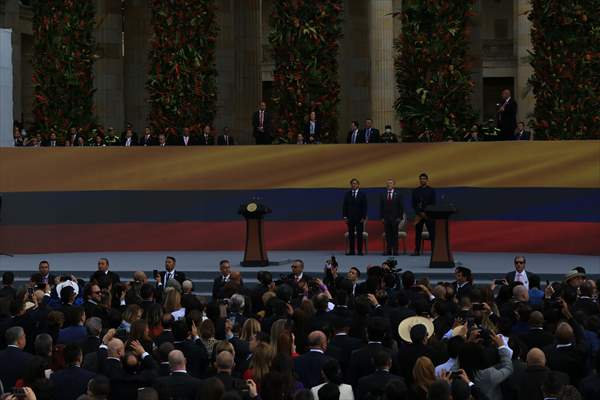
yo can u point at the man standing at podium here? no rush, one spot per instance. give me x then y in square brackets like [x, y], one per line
[391, 210]
[422, 197]
[355, 213]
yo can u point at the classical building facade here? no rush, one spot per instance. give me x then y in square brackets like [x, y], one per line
[499, 32]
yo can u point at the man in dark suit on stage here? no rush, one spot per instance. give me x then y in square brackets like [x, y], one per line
[129, 137]
[147, 139]
[186, 139]
[422, 197]
[222, 279]
[206, 139]
[312, 129]
[370, 134]
[519, 274]
[225, 139]
[170, 273]
[43, 275]
[354, 135]
[507, 116]
[354, 212]
[261, 124]
[391, 210]
[103, 276]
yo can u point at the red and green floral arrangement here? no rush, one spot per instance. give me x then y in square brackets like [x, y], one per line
[305, 40]
[63, 58]
[566, 62]
[182, 81]
[432, 72]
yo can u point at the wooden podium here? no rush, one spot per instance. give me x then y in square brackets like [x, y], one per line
[255, 254]
[441, 255]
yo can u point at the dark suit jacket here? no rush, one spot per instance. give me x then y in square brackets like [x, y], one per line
[464, 291]
[529, 382]
[71, 382]
[265, 136]
[134, 140]
[347, 344]
[588, 305]
[355, 209]
[570, 360]
[104, 280]
[221, 140]
[192, 141]
[537, 338]
[206, 141]
[48, 143]
[177, 386]
[196, 355]
[361, 362]
[308, 368]
[409, 353]
[358, 139]
[123, 385]
[373, 136]
[590, 387]
[13, 362]
[510, 276]
[147, 141]
[523, 135]
[316, 135]
[507, 120]
[179, 276]
[374, 384]
[391, 210]
[218, 283]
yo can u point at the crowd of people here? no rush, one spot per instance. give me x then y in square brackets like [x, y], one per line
[264, 132]
[387, 336]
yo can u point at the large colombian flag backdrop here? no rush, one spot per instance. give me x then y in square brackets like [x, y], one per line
[513, 197]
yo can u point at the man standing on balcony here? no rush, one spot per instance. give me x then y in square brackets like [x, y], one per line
[507, 116]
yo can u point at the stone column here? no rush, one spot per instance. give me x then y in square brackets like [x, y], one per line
[137, 32]
[247, 24]
[382, 78]
[475, 54]
[525, 98]
[108, 71]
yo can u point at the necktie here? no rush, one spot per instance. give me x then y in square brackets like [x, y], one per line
[354, 137]
[368, 135]
[262, 118]
[354, 193]
[389, 195]
[226, 139]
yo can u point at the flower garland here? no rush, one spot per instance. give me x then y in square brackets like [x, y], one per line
[432, 74]
[566, 62]
[305, 41]
[62, 64]
[182, 79]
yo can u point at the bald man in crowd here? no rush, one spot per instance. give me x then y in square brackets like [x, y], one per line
[308, 366]
[180, 384]
[568, 355]
[528, 382]
[124, 384]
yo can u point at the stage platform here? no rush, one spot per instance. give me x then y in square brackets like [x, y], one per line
[202, 266]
